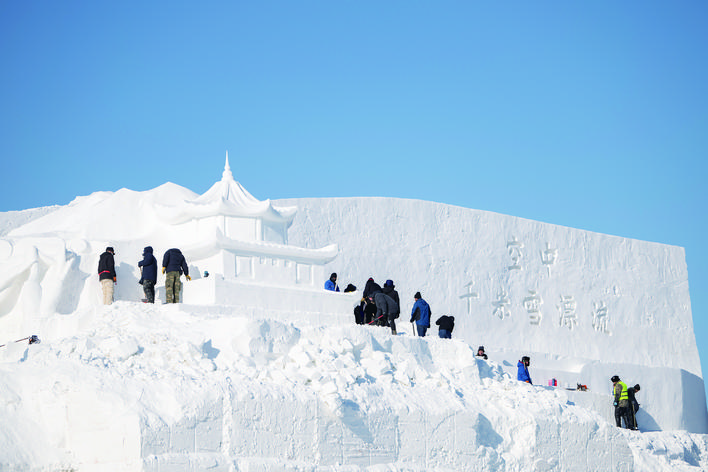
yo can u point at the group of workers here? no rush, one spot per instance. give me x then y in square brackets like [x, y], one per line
[381, 306]
[173, 266]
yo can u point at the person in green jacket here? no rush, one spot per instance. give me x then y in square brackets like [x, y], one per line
[621, 402]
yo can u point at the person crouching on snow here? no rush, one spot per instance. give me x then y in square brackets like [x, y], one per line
[174, 264]
[523, 372]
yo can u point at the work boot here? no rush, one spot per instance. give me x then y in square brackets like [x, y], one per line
[393, 332]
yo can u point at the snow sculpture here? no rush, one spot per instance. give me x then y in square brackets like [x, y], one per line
[49, 263]
[230, 233]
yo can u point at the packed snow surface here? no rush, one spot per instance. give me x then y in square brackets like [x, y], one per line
[252, 385]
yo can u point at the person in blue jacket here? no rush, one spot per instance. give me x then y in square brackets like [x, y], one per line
[174, 264]
[523, 373]
[331, 284]
[420, 314]
[148, 274]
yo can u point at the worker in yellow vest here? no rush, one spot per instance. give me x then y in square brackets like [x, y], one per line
[621, 402]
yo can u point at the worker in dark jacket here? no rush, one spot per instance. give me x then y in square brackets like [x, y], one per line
[446, 325]
[370, 288]
[148, 274]
[370, 311]
[633, 405]
[481, 353]
[386, 307]
[388, 289]
[107, 274]
[367, 306]
[174, 264]
[420, 314]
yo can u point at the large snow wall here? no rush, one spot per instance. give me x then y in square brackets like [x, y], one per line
[583, 305]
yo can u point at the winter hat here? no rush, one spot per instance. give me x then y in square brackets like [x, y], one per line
[615, 378]
[480, 348]
[110, 249]
[417, 296]
[636, 388]
[389, 283]
[333, 276]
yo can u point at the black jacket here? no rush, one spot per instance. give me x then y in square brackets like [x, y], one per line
[389, 290]
[446, 322]
[370, 288]
[632, 399]
[173, 261]
[149, 265]
[386, 306]
[106, 266]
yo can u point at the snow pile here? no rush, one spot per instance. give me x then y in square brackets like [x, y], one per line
[256, 383]
[163, 387]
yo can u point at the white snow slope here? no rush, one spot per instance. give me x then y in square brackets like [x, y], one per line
[133, 386]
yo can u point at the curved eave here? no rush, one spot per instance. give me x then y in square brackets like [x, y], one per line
[319, 256]
[191, 211]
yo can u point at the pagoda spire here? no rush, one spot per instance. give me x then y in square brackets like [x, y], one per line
[227, 175]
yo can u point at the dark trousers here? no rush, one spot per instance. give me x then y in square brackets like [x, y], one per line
[443, 333]
[633, 414]
[149, 289]
[421, 330]
[622, 412]
[392, 323]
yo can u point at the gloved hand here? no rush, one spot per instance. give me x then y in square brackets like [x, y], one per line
[114, 280]
[412, 320]
[614, 404]
[188, 277]
[163, 270]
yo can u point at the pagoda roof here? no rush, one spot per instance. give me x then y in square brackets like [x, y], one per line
[227, 197]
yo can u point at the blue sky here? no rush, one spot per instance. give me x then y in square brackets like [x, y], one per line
[592, 115]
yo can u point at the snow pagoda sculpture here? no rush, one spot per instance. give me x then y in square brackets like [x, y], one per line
[50, 262]
[242, 243]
